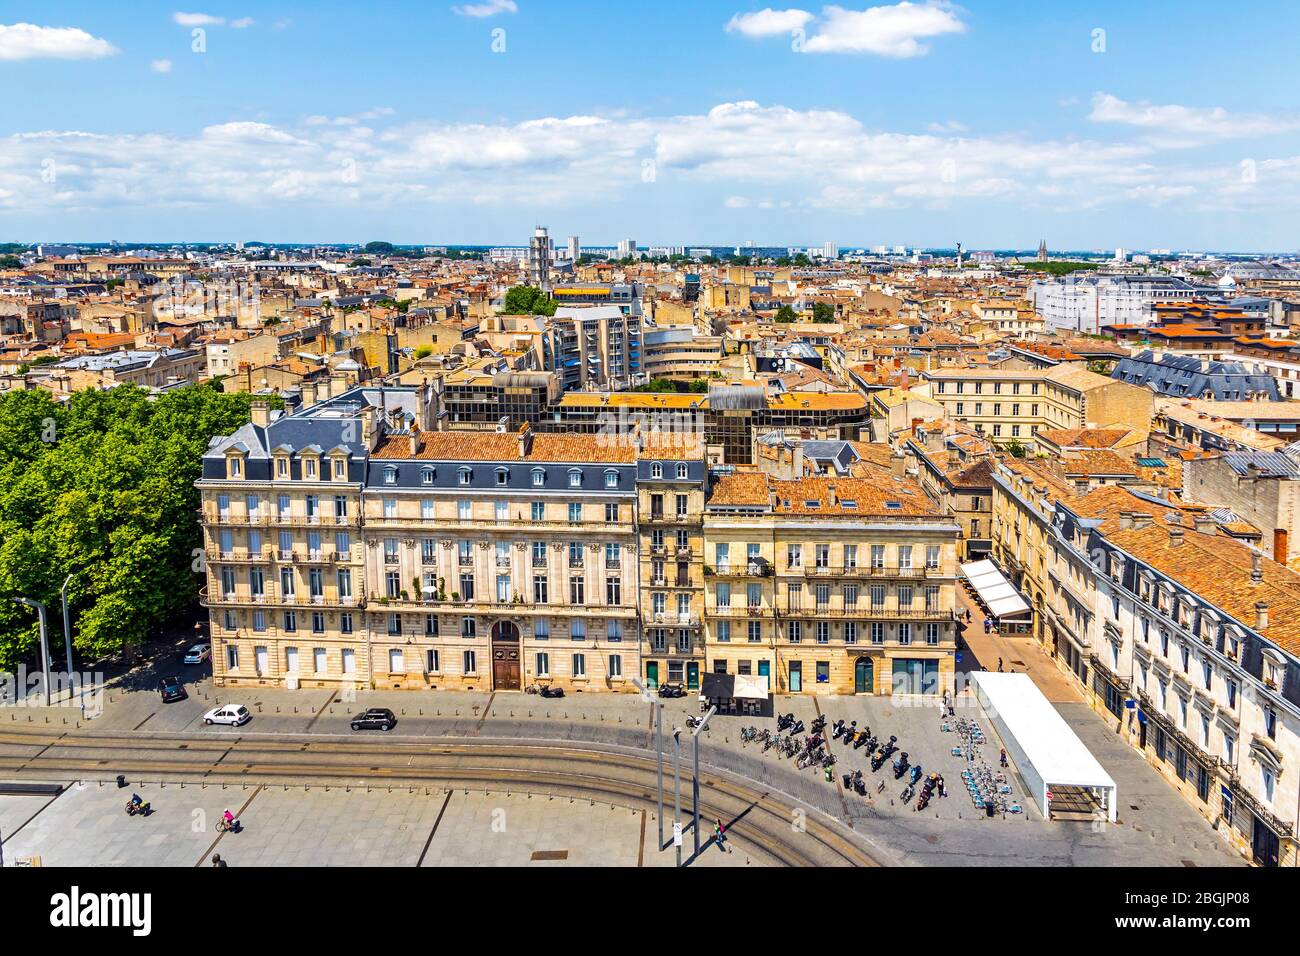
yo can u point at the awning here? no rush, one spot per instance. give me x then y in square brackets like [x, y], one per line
[997, 593]
[734, 686]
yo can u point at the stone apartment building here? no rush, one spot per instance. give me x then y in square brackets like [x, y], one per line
[350, 545]
[830, 585]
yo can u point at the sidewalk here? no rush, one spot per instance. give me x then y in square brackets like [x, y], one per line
[1019, 653]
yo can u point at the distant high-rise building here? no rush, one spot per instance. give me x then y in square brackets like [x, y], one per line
[539, 259]
[830, 251]
[626, 248]
[575, 250]
[1042, 251]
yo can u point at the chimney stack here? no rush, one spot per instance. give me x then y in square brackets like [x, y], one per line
[525, 437]
[1281, 545]
[1176, 536]
[1256, 568]
[1261, 615]
[1205, 524]
[261, 412]
[308, 394]
[1125, 520]
[898, 465]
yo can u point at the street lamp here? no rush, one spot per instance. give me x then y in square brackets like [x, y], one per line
[677, 792]
[45, 646]
[659, 748]
[67, 623]
[695, 779]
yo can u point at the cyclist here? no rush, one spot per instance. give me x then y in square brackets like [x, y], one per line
[228, 819]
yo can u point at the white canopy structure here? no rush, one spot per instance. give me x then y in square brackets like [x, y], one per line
[1039, 741]
[997, 593]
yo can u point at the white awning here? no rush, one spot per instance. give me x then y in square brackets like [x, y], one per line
[1044, 748]
[994, 589]
[753, 686]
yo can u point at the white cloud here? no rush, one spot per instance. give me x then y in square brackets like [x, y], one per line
[197, 19]
[768, 22]
[27, 41]
[489, 8]
[242, 23]
[894, 30]
[741, 155]
[1189, 123]
[161, 66]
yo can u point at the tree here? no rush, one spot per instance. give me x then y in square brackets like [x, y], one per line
[10, 262]
[378, 248]
[103, 488]
[527, 300]
[1014, 448]
[786, 314]
[823, 312]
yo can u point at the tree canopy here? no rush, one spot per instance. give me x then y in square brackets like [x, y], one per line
[527, 300]
[103, 488]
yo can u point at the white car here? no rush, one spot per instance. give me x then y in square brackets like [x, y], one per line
[198, 654]
[233, 714]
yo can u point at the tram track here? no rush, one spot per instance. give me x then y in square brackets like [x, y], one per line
[795, 834]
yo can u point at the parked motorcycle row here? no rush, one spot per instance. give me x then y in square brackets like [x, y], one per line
[809, 752]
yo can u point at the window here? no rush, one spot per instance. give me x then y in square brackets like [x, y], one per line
[575, 478]
[232, 657]
[538, 511]
[656, 469]
[390, 475]
[877, 632]
[575, 512]
[468, 627]
[427, 475]
[755, 632]
[318, 660]
[469, 660]
[614, 630]
[613, 591]
[579, 665]
[543, 664]
[616, 665]
[851, 632]
[464, 510]
[611, 512]
[539, 477]
[578, 629]
[464, 475]
[681, 471]
[503, 476]
[611, 479]
[722, 632]
[431, 660]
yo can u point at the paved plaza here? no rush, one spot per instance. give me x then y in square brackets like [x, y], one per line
[318, 826]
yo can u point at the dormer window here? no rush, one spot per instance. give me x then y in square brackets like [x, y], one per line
[427, 475]
[390, 475]
[656, 469]
[234, 467]
[340, 469]
[611, 479]
[282, 466]
[575, 478]
[309, 467]
[682, 471]
[539, 477]
[503, 476]
[464, 476]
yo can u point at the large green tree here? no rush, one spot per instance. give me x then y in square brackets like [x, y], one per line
[103, 488]
[527, 300]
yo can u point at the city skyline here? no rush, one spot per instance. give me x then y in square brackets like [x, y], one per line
[913, 123]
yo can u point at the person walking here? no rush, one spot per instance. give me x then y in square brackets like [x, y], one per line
[217, 861]
[999, 665]
[720, 836]
[1004, 756]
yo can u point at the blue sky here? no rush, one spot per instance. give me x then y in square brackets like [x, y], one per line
[707, 121]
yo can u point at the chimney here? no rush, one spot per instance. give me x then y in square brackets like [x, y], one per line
[323, 390]
[1281, 545]
[1176, 536]
[261, 414]
[1256, 568]
[308, 394]
[831, 499]
[1261, 615]
[1081, 486]
[1141, 520]
[525, 437]
[414, 438]
[1205, 524]
[1125, 520]
[898, 465]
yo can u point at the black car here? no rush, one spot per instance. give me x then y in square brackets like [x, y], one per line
[172, 690]
[376, 718]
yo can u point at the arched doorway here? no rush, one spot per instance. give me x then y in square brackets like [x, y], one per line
[864, 676]
[505, 656]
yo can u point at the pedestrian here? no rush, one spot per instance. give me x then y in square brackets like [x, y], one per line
[1004, 756]
[999, 665]
[217, 861]
[720, 836]
[988, 626]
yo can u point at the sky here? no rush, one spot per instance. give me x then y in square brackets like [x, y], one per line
[994, 124]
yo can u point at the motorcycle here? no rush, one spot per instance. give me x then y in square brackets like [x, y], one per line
[784, 722]
[818, 724]
[860, 739]
[797, 727]
[837, 729]
[900, 765]
[916, 773]
[877, 760]
[135, 806]
[906, 796]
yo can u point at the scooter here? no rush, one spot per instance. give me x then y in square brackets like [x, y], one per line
[136, 806]
[837, 728]
[784, 722]
[818, 724]
[916, 773]
[861, 739]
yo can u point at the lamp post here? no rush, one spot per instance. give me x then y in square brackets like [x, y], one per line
[677, 791]
[67, 623]
[45, 645]
[695, 778]
[658, 706]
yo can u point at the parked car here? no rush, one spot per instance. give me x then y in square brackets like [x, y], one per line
[172, 690]
[198, 654]
[233, 714]
[376, 718]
